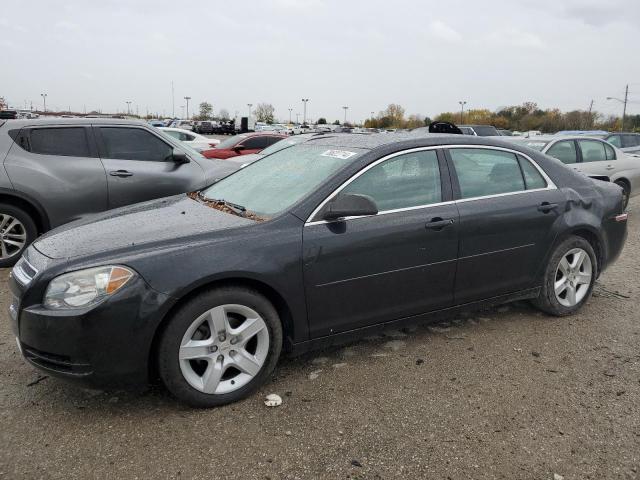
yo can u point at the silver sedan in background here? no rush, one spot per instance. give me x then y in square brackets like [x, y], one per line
[592, 156]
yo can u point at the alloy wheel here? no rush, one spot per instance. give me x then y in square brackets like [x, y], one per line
[13, 236]
[224, 349]
[573, 277]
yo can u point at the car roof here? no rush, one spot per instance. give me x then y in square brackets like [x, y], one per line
[34, 122]
[551, 138]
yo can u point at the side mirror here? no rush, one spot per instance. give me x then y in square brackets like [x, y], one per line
[179, 157]
[349, 205]
[239, 148]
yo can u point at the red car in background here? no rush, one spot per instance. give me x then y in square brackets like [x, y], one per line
[243, 144]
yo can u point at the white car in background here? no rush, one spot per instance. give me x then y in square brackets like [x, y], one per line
[592, 156]
[194, 140]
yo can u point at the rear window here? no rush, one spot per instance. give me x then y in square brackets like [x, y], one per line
[66, 141]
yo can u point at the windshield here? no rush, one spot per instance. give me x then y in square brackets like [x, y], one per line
[485, 131]
[276, 182]
[230, 142]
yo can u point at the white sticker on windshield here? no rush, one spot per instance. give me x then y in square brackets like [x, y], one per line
[343, 154]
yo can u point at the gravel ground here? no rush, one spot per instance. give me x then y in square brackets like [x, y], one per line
[503, 393]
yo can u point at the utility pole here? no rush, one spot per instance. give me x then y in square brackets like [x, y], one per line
[128, 107]
[462, 104]
[345, 114]
[173, 102]
[44, 100]
[624, 103]
[304, 115]
[187, 99]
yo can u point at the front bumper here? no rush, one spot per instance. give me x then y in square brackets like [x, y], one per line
[107, 345]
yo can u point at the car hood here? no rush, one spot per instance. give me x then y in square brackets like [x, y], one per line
[216, 169]
[143, 223]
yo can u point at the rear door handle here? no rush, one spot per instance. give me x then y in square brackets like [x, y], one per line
[609, 167]
[438, 223]
[121, 173]
[546, 207]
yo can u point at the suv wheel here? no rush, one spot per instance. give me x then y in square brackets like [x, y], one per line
[17, 231]
[569, 277]
[220, 346]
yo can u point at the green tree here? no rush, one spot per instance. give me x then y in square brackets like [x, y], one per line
[337, 122]
[206, 109]
[322, 121]
[264, 112]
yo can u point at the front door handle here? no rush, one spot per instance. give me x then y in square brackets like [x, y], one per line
[121, 173]
[609, 167]
[546, 207]
[438, 223]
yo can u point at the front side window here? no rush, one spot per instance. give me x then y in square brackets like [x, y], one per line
[564, 151]
[134, 144]
[592, 151]
[67, 141]
[483, 172]
[408, 180]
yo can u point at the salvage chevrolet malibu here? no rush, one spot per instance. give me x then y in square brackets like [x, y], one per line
[315, 244]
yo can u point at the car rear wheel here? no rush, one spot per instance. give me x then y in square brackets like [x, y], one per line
[17, 231]
[220, 346]
[569, 277]
[626, 192]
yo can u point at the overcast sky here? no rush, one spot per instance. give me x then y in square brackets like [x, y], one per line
[424, 55]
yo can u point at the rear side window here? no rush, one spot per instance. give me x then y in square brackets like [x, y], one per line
[408, 180]
[134, 144]
[630, 141]
[615, 140]
[483, 172]
[610, 153]
[564, 151]
[532, 177]
[64, 141]
[592, 151]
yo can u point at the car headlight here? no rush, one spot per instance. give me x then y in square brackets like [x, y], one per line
[85, 288]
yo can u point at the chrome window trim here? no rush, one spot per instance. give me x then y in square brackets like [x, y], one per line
[550, 184]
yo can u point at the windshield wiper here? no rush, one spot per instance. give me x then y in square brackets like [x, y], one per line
[234, 207]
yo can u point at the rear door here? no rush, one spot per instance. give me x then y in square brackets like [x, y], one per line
[507, 207]
[139, 166]
[598, 158]
[367, 270]
[59, 166]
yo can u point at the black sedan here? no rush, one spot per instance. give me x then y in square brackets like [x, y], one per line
[315, 244]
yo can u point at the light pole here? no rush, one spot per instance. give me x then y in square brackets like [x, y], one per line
[249, 105]
[290, 110]
[128, 107]
[345, 114]
[624, 103]
[187, 100]
[182, 108]
[304, 115]
[44, 101]
[462, 104]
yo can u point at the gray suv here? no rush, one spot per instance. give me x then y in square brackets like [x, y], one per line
[60, 170]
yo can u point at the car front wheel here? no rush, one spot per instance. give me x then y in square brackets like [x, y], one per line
[17, 231]
[569, 277]
[220, 346]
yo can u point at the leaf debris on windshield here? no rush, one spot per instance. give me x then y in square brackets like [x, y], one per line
[224, 207]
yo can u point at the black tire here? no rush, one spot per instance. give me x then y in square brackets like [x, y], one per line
[547, 301]
[169, 366]
[626, 192]
[30, 230]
